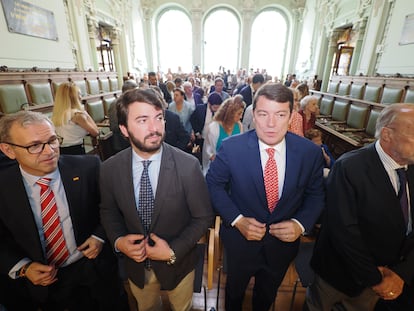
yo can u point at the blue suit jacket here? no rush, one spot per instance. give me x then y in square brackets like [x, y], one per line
[246, 92]
[236, 185]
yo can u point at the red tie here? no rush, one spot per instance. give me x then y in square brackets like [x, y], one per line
[271, 180]
[56, 250]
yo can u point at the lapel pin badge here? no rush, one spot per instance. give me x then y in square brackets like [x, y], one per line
[75, 178]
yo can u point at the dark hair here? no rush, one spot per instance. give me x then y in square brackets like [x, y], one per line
[136, 95]
[313, 133]
[151, 74]
[276, 92]
[258, 78]
[129, 85]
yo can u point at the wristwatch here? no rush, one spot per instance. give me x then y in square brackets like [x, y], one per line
[21, 273]
[172, 259]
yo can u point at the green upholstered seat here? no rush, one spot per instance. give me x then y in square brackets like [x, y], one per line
[372, 120]
[343, 89]
[357, 116]
[409, 96]
[12, 98]
[81, 84]
[326, 106]
[391, 95]
[340, 110]
[96, 110]
[332, 87]
[357, 91]
[93, 87]
[107, 102]
[113, 84]
[55, 86]
[104, 85]
[41, 93]
[372, 93]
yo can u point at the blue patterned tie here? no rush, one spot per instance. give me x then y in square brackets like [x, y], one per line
[146, 198]
[402, 193]
[146, 203]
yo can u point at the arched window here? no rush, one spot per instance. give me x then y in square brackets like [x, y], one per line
[268, 42]
[221, 41]
[174, 41]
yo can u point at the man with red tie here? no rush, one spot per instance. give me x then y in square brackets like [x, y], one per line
[52, 246]
[267, 186]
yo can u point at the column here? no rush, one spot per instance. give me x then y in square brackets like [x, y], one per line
[359, 28]
[332, 48]
[92, 30]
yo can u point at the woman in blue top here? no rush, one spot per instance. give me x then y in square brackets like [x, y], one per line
[226, 122]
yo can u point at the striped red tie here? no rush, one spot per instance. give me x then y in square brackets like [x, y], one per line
[56, 250]
[271, 180]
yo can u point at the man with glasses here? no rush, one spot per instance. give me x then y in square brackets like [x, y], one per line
[51, 242]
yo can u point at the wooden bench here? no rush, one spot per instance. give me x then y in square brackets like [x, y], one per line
[350, 106]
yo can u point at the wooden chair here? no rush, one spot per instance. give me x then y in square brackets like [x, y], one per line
[93, 87]
[343, 89]
[340, 111]
[326, 106]
[333, 87]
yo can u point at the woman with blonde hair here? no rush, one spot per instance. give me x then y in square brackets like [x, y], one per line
[72, 122]
[226, 122]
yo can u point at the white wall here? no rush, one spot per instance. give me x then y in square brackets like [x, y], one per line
[24, 51]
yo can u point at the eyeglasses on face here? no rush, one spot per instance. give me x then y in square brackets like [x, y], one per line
[39, 147]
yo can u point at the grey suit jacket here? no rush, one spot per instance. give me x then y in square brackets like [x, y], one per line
[182, 211]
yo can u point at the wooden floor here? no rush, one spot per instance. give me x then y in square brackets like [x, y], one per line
[282, 303]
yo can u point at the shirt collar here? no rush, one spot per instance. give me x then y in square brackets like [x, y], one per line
[278, 148]
[155, 157]
[32, 179]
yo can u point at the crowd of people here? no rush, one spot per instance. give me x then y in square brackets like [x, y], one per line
[73, 229]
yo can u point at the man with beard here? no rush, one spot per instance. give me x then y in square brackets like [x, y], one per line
[155, 205]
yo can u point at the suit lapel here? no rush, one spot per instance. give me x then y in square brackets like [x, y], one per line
[255, 167]
[164, 182]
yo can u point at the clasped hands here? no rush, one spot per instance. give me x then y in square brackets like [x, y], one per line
[252, 230]
[391, 285]
[138, 248]
[45, 275]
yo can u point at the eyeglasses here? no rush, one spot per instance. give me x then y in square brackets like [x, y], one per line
[39, 147]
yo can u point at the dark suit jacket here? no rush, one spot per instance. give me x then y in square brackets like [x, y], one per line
[167, 95]
[246, 92]
[363, 225]
[198, 118]
[19, 237]
[175, 133]
[182, 211]
[237, 167]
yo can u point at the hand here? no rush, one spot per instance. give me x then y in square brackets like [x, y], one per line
[40, 274]
[251, 229]
[91, 248]
[391, 285]
[286, 231]
[160, 250]
[327, 158]
[133, 246]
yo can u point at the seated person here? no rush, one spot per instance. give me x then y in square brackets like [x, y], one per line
[315, 135]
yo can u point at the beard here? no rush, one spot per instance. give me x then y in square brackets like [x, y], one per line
[143, 146]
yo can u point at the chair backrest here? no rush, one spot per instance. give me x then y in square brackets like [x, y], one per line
[409, 96]
[357, 116]
[107, 102]
[104, 85]
[326, 106]
[357, 90]
[81, 84]
[55, 86]
[333, 87]
[12, 98]
[391, 95]
[113, 84]
[41, 93]
[96, 110]
[372, 93]
[93, 87]
[343, 89]
[372, 121]
[340, 110]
